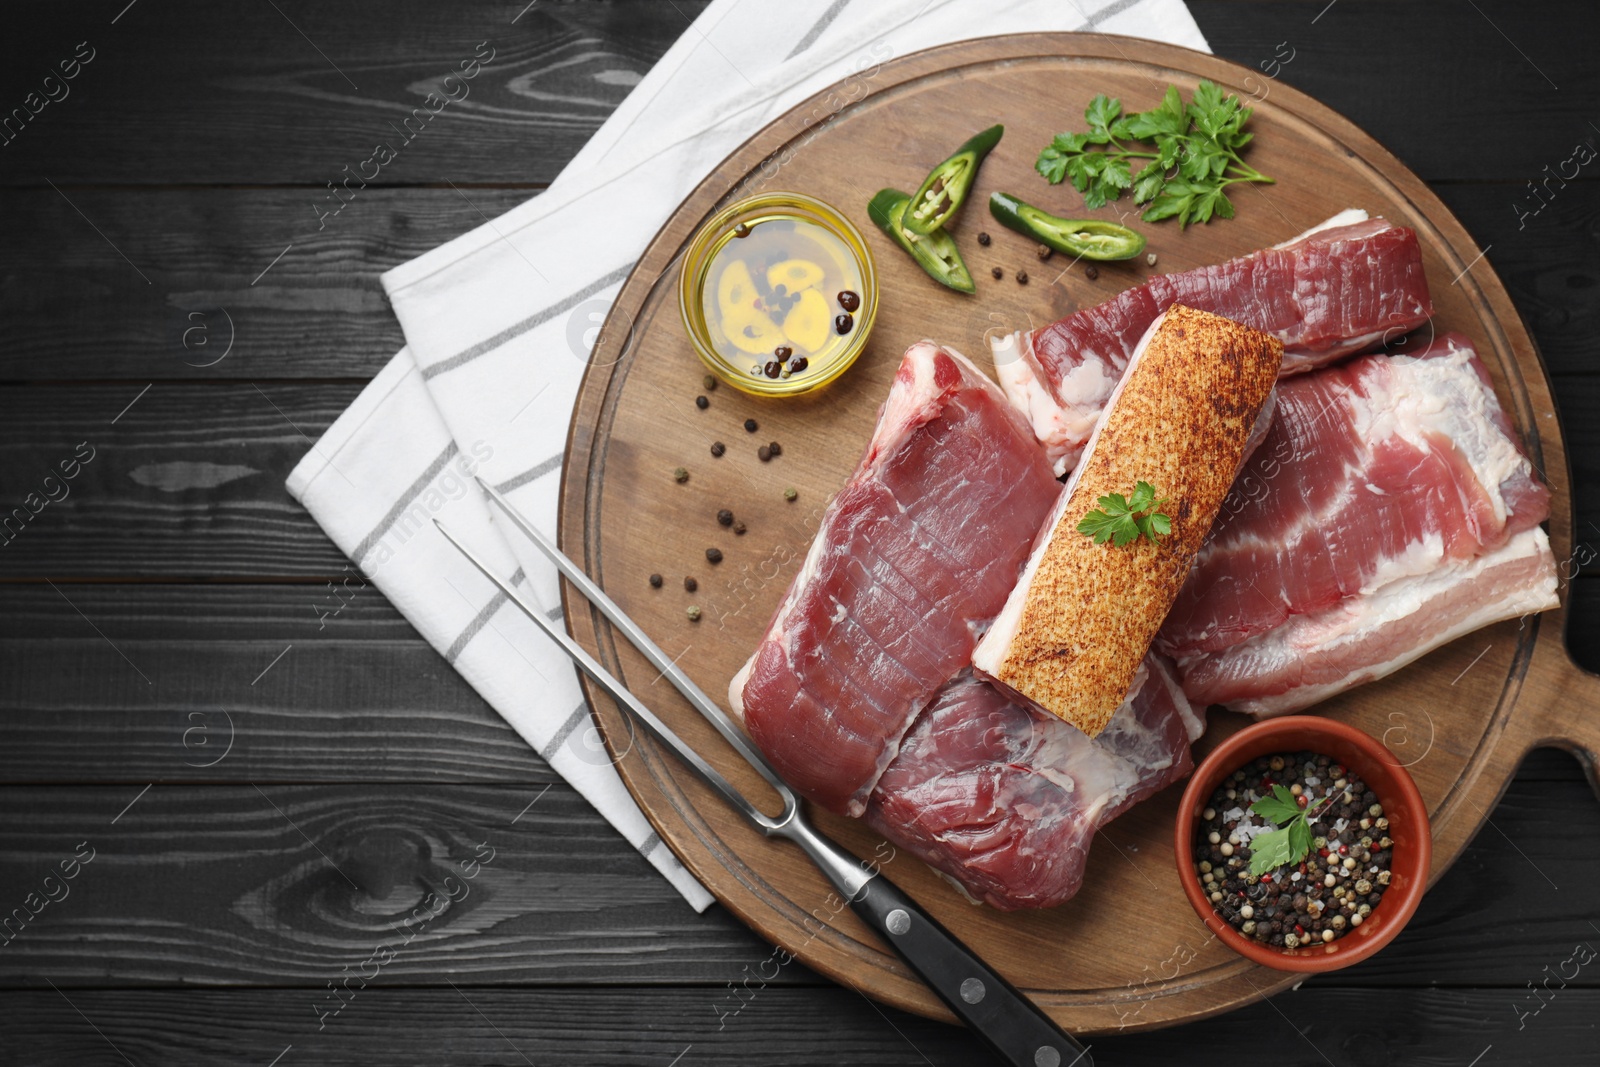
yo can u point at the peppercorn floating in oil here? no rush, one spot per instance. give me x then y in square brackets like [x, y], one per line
[775, 291]
[1293, 850]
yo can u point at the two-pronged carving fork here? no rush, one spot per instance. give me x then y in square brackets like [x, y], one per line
[1017, 1030]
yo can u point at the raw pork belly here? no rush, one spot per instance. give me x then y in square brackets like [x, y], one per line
[1006, 800]
[1389, 510]
[1338, 288]
[915, 555]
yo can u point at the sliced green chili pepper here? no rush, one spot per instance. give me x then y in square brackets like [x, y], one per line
[1087, 238]
[946, 186]
[935, 253]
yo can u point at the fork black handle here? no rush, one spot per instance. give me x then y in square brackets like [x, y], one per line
[1007, 1021]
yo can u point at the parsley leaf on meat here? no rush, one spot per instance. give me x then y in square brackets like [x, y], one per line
[1123, 519]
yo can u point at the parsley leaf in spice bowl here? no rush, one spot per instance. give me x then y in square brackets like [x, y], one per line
[1303, 844]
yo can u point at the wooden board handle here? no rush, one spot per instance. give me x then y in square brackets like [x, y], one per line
[1566, 699]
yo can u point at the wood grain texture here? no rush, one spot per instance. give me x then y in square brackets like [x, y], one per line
[246, 683]
[189, 483]
[627, 428]
[194, 473]
[218, 305]
[211, 885]
[359, 697]
[626, 1026]
[320, 312]
[189, 93]
[277, 111]
[286, 884]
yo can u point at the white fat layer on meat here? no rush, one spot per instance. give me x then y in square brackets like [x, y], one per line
[1442, 396]
[1092, 770]
[1348, 217]
[1323, 635]
[1060, 428]
[1194, 723]
[991, 651]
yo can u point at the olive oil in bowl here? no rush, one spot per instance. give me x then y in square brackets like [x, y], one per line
[778, 294]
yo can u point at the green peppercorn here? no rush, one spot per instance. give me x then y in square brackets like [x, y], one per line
[693, 612]
[680, 474]
[790, 494]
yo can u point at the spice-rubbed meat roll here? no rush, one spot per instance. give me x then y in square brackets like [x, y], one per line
[1077, 626]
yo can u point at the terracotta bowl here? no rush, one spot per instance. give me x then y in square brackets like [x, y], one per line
[1402, 805]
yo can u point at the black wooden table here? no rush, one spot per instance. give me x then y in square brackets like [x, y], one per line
[251, 791]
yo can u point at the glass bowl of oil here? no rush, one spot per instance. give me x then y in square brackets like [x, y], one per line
[778, 293]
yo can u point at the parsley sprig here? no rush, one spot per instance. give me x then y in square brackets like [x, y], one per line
[1123, 519]
[1291, 842]
[1195, 155]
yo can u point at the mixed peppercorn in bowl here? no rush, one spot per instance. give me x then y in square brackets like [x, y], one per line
[1303, 843]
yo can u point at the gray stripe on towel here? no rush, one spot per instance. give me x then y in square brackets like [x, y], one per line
[579, 714]
[817, 27]
[532, 474]
[480, 620]
[467, 355]
[371, 540]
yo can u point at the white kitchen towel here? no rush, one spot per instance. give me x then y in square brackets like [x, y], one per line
[499, 323]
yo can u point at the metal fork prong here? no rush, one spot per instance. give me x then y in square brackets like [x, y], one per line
[642, 641]
[618, 692]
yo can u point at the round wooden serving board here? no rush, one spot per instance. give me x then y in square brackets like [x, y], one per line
[1127, 952]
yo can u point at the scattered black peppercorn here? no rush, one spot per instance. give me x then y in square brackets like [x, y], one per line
[701, 402]
[710, 383]
[713, 555]
[775, 448]
[655, 581]
[718, 448]
[796, 367]
[690, 585]
[773, 368]
[741, 230]
[764, 453]
[843, 323]
[680, 474]
[783, 352]
[739, 526]
[848, 300]
[1022, 277]
[983, 239]
[725, 517]
[751, 426]
[1045, 252]
[1091, 272]
[998, 273]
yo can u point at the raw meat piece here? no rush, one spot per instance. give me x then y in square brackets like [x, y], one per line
[1338, 288]
[915, 555]
[1389, 510]
[1006, 800]
[1079, 622]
